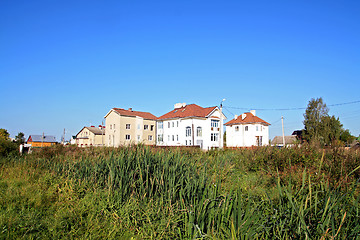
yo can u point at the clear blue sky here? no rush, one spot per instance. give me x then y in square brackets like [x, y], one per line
[65, 64]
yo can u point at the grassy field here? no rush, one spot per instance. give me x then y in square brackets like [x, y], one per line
[146, 193]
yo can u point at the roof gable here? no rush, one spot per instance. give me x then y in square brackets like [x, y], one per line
[191, 110]
[249, 118]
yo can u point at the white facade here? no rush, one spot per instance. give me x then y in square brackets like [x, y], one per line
[242, 132]
[191, 131]
[247, 135]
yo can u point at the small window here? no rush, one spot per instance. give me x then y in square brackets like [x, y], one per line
[127, 126]
[139, 126]
[177, 137]
[160, 138]
[173, 124]
[199, 131]
[214, 123]
[246, 128]
[151, 127]
[168, 124]
[177, 123]
[138, 137]
[188, 132]
[173, 137]
[214, 137]
[127, 137]
[257, 128]
[110, 126]
[150, 137]
[160, 125]
[114, 125]
[236, 128]
[168, 138]
[146, 127]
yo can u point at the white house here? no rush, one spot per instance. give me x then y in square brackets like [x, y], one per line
[191, 125]
[247, 130]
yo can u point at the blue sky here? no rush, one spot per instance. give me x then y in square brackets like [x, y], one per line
[65, 64]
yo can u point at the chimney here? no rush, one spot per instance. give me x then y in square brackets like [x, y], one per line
[178, 105]
[253, 112]
[243, 116]
[236, 116]
[92, 126]
[130, 109]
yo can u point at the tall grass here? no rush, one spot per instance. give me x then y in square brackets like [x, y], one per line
[140, 192]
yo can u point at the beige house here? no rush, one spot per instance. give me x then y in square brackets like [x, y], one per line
[90, 136]
[124, 127]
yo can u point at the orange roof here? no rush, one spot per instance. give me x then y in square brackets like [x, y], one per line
[250, 118]
[191, 110]
[130, 112]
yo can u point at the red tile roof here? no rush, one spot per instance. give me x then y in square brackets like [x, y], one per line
[250, 118]
[130, 112]
[191, 110]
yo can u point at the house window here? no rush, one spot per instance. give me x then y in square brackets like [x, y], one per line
[189, 142]
[114, 125]
[127, 126]
[151, 127]
[214, 137]
[160, 125]
[177, 123]
[146, 127]
[173, 124]
[138, 138]
[168, 138]
[199, 131]
[160, 138]
[150, 137]
[257, 128]
[138, 126]
[177, 137]
[188, 132]
[173, 137]
[168, 124]
[236, 128]
[110, 126]
[127, 137]
[214, 123]
[185, 142]
[246, 128]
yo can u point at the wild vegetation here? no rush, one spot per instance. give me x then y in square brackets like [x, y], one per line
[149, 193]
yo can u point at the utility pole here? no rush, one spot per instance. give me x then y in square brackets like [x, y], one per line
[282, 123]
[221, 141]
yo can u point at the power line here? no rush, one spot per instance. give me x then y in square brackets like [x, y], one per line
[290, 109]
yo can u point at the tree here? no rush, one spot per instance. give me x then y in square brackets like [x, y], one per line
[346, 137]
[331, 129]
[4, 135]
[20, 138]
[314, 113]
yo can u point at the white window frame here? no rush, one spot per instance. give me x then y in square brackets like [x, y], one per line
[188, 131]
[214, 123]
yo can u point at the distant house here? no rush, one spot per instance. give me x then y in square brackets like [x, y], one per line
[247, 130]
[191, 125]
[289, 141]
[90, 136]
[124, 127]
[41, 141]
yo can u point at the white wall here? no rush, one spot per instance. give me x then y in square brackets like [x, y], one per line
[248, 138]
[177, 131]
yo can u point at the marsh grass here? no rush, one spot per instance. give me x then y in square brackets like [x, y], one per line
[140, 192]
